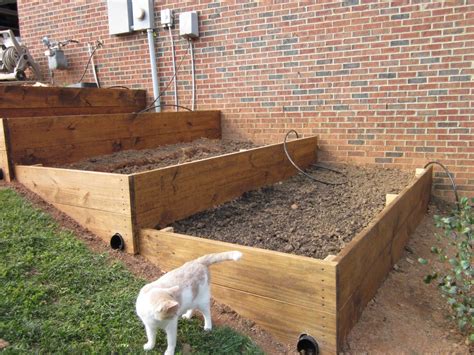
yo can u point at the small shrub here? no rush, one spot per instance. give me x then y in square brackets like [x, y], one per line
[456, 281]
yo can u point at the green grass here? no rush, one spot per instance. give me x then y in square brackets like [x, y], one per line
[57, 296]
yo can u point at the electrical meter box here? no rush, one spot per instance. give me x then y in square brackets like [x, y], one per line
[120, 16]
[188, 25]
[143, 15]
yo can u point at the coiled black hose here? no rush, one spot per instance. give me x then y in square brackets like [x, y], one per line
[285, 148]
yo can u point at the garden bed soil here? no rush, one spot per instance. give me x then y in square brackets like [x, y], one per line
[300, 216]
[134, 161]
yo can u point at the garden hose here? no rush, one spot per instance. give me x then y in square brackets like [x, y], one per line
[453, 184]
[285, 148]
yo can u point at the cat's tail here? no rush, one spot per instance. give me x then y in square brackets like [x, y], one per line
[219, 257]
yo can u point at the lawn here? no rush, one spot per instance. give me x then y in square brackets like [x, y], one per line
[57, 296]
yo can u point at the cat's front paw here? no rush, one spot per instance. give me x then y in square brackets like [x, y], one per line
[208, 328]
[148, 346]
[169, 352]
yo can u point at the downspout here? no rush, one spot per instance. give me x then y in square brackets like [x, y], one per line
[154, 69]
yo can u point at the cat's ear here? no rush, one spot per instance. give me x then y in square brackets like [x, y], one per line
[170, 306]
[171, 289]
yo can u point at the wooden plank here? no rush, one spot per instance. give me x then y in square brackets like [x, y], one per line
[4, 162]
[30, 97]
[351, 311]
[172, 193]
[63, 139]
[98, 201]
[368, 258]
[19, 113]
[284, 293]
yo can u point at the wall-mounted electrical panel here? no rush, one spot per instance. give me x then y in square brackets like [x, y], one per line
[120, 16]
[126, 16]
[188, 25]
[143, 15]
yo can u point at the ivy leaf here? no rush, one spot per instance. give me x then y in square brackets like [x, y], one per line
[422, 261]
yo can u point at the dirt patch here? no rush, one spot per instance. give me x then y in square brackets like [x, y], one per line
[133, 161]
[300, 216]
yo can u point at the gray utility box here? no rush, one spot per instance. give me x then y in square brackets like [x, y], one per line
[126, 16]
[57, 60]
[120, 16]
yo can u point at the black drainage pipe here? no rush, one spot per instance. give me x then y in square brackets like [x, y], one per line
[117, 242]
[1, 174]
[307, 345]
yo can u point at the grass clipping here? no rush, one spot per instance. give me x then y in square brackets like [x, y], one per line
[56, 296]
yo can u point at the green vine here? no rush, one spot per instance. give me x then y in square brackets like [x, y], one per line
[455, 282]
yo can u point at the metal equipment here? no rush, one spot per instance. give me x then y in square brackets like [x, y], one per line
[15, 59]
[55, 54]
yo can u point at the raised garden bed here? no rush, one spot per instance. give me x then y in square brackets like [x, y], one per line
[300, 216]
[133, 161]
[287, 294]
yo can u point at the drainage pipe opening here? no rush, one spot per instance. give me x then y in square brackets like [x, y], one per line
[307, 345]
[117, 242]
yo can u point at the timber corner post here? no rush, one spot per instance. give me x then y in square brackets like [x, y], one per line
[6, 172]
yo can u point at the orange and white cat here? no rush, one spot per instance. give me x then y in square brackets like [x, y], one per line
[178, 293]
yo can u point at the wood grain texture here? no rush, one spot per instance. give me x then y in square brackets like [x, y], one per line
[169, 194]
[65, 139]
[30, 101]
[284, 293]
[365, 262]
[4, 162]
[100, 202]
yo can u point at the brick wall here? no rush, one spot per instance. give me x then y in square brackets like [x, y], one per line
[381, 82]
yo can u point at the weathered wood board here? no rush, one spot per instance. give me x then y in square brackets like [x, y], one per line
[4, 162]
[99, 202]
[65, 139]
[165, 195]
[31, 101]
[365, 262]
[286, 294]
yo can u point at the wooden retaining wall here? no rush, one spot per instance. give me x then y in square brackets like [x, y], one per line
[65, 139]
[99, 202]
[365, 262]
[165, 195]
[285, 294]
[31, 101]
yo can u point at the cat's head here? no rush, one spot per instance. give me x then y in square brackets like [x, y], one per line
[165, 305]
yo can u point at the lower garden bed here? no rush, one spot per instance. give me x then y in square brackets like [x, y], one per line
[300, 216]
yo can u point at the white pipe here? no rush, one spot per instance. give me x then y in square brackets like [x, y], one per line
[89, 49]
[174, 71]
[154, 69]
[193, 75]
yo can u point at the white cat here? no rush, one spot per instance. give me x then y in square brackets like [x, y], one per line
[178, 293]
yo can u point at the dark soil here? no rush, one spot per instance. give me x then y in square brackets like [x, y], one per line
[133, 161]
[300, 216]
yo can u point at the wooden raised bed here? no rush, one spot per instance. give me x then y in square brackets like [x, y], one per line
[32, 101]
[286, 294]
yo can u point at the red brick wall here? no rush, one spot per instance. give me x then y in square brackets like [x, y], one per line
[385, 82]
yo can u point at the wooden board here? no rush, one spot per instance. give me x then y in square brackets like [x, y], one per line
[286, 294]
[65, 139]
[365, 262]
[4, 163]
[30, 101]
[99, 202]
[165, 195]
